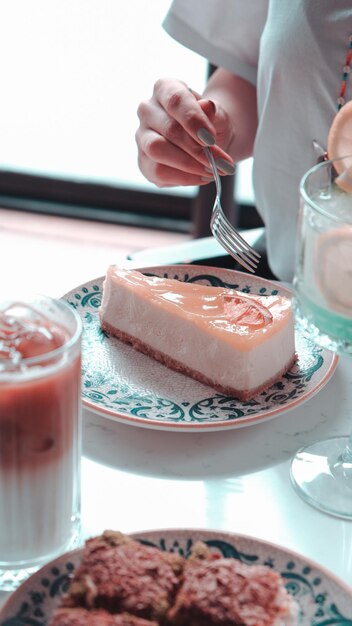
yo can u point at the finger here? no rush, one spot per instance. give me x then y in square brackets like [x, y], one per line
[164, 176]
[177, 100]
[224, 131]
[160, 150]
[154, 118]
[224, 160]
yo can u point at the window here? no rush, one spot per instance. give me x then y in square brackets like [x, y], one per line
[73, 77]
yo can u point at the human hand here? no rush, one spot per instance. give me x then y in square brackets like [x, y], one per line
[175, 125]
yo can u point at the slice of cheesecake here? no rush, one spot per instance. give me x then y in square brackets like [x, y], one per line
[237, 343]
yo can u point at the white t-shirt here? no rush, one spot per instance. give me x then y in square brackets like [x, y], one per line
[294, 52]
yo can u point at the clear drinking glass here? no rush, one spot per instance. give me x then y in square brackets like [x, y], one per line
[40, 434]
[322, 472]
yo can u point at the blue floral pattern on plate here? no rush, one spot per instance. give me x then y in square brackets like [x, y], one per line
[126, 385]
[322, 599]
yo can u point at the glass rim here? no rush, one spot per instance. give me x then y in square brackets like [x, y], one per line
[308, 199]
[53, 354]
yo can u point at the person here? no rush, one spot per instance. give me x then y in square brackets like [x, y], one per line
[273, 95]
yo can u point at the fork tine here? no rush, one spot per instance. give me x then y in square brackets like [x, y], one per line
[234, 255]
[235, 235]
[223, 231]
[222, 236]
[237, 245]
[237, 242]
[248, 248]
[232, 247]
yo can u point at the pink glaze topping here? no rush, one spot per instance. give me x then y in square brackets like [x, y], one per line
[214, 308]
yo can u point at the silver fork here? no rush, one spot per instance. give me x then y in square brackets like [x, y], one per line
[225, 233]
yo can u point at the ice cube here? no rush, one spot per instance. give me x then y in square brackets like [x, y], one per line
[26, 332]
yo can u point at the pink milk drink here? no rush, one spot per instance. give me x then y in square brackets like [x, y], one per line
[40, 434]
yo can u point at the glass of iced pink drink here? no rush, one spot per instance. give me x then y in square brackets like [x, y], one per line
[40, 434]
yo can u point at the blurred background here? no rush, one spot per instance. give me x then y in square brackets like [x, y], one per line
[72, 75]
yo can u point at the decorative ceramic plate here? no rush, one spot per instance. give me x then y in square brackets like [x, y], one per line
[129, 386]
[321, 597]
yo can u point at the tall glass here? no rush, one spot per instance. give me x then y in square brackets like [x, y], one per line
[322, 472]
[40, 434]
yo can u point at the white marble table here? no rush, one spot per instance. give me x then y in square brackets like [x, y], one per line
[135, 478]
[237, 480]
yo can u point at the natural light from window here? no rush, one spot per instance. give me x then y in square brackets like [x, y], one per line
[72, 76]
